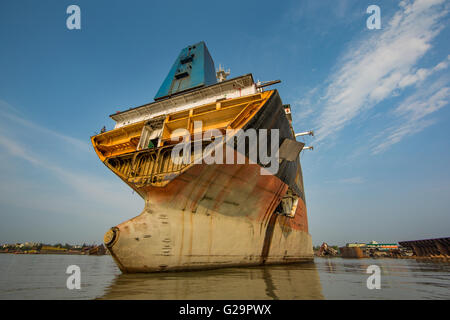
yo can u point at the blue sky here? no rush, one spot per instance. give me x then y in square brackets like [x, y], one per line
[377, 100]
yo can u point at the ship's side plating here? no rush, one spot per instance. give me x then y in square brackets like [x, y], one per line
[212, 216]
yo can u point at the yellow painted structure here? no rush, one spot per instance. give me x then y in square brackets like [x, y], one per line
[221, 115]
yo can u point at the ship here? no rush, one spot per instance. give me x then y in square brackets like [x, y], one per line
[198, 213]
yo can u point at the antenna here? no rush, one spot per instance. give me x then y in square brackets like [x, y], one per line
[221, 74]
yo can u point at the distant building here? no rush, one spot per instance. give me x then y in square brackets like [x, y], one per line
[355, 245]
[50, 249]
[382, 246]
[374, 245]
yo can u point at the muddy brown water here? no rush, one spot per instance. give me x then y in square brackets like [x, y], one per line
[44, 277]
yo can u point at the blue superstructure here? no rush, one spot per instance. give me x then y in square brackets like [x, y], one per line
[193, 68]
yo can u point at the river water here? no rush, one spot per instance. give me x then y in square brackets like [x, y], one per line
[44, 277]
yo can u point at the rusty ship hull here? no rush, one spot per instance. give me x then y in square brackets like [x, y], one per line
[211, 217]
[198, 215]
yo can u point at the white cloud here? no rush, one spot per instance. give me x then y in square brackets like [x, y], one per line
[421, 74]
[12, 114]
[52, 181]
[85, 186]
[412, 113]
[16, 150]
[378, 67]
[304, 106]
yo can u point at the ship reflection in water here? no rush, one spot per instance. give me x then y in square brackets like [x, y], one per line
[296, 281]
